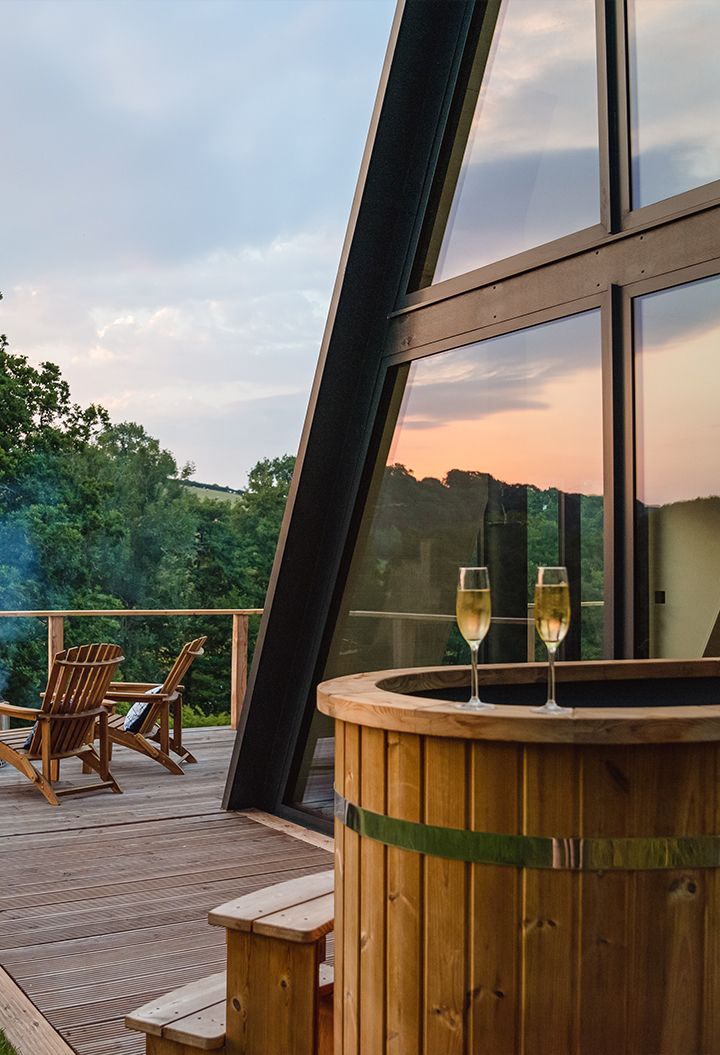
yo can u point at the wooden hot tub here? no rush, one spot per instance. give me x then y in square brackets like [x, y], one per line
[509, 882]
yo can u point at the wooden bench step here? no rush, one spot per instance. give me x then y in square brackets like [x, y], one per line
[194, 1015]
[299, 910]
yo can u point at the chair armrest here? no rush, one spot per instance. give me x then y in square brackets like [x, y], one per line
[116, 696]
[132, 686]
[70, 716]
[28, 713]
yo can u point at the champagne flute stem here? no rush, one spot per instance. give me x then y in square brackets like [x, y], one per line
[474, 697]
[551, 673]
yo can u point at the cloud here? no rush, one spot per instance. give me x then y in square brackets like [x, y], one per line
[189, 349]
[516, 371]
[177, 180]
[530, 173]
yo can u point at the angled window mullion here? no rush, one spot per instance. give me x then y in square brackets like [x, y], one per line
[611, 21]
[620, 472]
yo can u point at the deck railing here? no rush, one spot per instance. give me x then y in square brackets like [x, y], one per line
[402, 622]
[239, 633]
[239, 636]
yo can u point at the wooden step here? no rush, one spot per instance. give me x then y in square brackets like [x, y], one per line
[299, 910]
[194, 1015]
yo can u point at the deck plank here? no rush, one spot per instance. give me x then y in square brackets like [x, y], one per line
[104, 900]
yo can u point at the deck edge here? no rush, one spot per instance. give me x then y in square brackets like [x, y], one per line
[24, 1025]
[325, 842]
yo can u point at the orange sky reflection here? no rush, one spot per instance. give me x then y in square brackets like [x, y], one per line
[555, 445]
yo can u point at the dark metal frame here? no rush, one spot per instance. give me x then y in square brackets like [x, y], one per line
[412, 103]
[374, 326]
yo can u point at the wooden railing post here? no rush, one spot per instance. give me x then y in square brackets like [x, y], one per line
[56, 637]
[239, 663]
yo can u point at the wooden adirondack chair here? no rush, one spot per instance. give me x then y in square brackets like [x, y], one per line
[67, 723]
[154, 737]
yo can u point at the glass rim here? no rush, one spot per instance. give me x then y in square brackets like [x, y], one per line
[552, 567]
[473, 567]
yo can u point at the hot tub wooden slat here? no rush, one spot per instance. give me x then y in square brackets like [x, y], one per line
[495, 773]
[351, 900]
[711, 989]
[404, 909]
[445, 893]
[605, 913]
[340, 834]
[372, 899]
[674, 791]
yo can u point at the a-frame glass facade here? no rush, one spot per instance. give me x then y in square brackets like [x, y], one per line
[530, 168]
[546, 398]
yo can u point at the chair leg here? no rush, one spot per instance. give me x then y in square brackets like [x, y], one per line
[93, 761]
[182, 752]
[177, 744]
[54, 770]
[177, 749]
[23, 766]
[136, 742]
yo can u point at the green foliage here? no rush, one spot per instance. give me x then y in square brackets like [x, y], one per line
[97, 515]
[422, 531]
[193, 717]
[5, 1046]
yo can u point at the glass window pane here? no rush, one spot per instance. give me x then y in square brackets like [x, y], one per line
[677, 335]
[530, 169]
[496, 458]
[675, 94]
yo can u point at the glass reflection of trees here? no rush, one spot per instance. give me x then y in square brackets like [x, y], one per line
[423, 530]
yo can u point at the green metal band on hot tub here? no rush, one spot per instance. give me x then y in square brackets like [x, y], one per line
[574, 854]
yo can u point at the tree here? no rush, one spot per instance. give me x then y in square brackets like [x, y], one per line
[96, 515]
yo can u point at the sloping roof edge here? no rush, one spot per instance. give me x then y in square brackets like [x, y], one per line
[426, 42]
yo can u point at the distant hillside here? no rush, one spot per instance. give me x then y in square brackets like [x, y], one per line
[214, 492]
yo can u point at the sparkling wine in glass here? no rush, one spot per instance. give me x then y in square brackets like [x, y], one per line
[552, 621]
[473, 612]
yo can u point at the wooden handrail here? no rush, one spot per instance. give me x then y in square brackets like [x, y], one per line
[68, 612]
[239, 639]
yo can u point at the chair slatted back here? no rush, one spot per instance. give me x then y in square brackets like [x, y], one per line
[188, 653]
[78, 681]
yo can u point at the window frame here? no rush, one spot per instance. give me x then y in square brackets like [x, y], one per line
[635, 601]
[617, 215]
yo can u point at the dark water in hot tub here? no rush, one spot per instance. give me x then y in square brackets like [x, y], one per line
[643, 692]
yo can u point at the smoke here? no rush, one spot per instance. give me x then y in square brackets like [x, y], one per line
[19, 574]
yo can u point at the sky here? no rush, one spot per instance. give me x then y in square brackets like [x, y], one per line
[525, 407]
[176, 181]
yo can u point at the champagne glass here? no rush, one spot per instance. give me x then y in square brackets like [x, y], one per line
[472, 609]
[552, 621]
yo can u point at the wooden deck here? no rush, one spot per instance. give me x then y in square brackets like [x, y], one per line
[103, 901]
